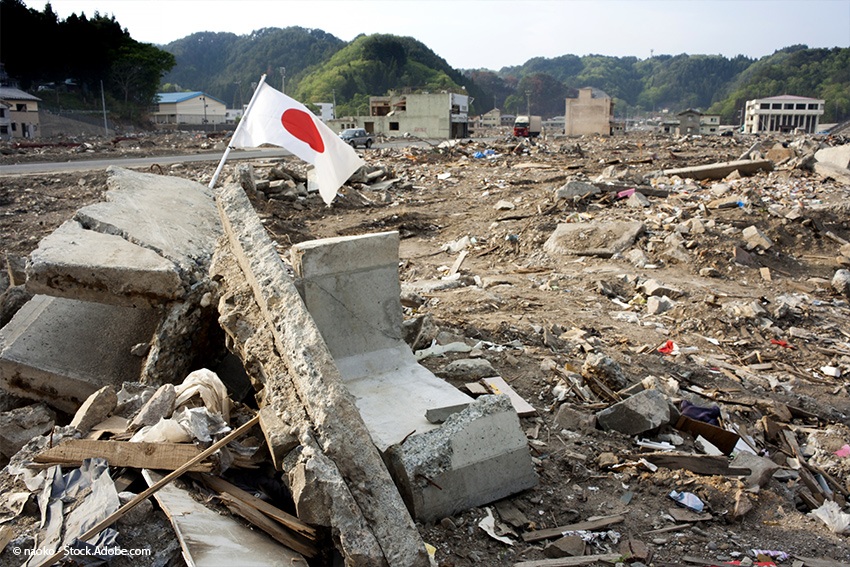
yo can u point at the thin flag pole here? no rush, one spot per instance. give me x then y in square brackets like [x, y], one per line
[235, 132]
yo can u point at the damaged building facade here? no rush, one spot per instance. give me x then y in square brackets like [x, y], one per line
[18, 114]
[785, 113]
[591, 112]
[426, 115]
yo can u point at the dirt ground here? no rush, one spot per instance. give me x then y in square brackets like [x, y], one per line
[753, 336]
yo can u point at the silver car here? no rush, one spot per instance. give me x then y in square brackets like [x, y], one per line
[357, 137]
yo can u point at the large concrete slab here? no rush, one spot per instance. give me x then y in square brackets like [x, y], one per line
[60, 350]
[149, 242]
[720, 170]
[351, 287]
[92, 266]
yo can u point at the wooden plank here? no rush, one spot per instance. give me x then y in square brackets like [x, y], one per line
[295, 542]
[700, 464]
[7, 534]
[133, 502]
[683, 515]
[676, 528]
[589, 525]
[210, 539]
[717, 436]
[570, 561]
[220, 485]
[497, 385]
[159, 456]
[813, 562]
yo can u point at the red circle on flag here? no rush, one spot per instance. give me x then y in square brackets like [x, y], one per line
[301, 125]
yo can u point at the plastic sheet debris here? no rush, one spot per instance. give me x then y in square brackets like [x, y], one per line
[669, 348]
[844, 451]
[209, 387]
[488, 524]
[831, 515]
[707, 415]
[687, 499]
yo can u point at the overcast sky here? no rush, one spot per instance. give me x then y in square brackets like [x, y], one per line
[496, 33]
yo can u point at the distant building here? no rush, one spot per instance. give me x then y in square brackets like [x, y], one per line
[492, 119]
[554, 125]
[442, 115]
[692, 122]
[689, 122]
[590, 113]
[709, 124]
[189, 108]
[5, 122]
[784, 113]
[21, 110]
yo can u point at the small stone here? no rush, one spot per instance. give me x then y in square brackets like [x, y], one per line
[841, 282]
[756, 239]
[95, 409]
[659, 305]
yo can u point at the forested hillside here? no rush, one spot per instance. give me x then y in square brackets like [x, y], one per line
[226, 65]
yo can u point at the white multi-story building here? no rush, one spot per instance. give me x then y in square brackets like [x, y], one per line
[784, 113]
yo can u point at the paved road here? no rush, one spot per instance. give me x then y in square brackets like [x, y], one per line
[89, 165]
[235, 155]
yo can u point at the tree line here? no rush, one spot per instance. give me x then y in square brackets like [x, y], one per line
[79, 55]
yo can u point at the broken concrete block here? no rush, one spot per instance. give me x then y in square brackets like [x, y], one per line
[654, 287]
[839, 156]
[638, 200]
[95, 409]
[840, 174]
[636, 257]
[573, 189]
[477, 456]
[602, 239]
[659, 305]
[573, 419]
[278, 433]
[159, 406]
[470, 368]
[60, 350]
[636, 414]
[756, 238]
[841, 282]
[131, 249]
[19, 426]
[761, 469]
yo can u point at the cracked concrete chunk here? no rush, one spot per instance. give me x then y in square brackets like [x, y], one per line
[19, 426]
[602, 239]
[436, 471]
[636, 414]
[90, 266]
[42, 358]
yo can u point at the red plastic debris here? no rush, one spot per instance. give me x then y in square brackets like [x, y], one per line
[668, 348]
[783, 344]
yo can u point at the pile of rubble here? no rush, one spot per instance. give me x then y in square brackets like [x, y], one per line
[535, 353]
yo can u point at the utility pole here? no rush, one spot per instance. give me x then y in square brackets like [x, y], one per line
[528, 103]
[103, 103]
[283, 79]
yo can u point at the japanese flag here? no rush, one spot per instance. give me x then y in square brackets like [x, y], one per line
[276, 119]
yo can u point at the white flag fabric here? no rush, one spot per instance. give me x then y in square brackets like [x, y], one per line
[277, 119]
